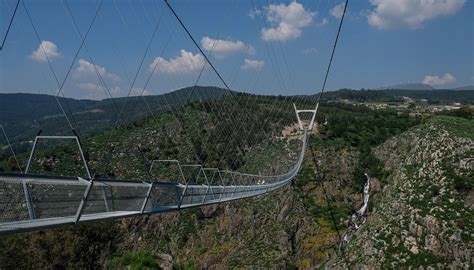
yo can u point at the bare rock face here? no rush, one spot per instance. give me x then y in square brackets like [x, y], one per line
[208, 211]
[286, 207]
[166, 261]
[375, 186]
[283, 243]
[432, 244]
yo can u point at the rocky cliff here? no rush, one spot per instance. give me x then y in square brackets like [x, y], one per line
[424, 215]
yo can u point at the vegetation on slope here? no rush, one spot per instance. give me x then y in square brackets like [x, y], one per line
[424, 218]
[396, 95]
[297, 226]
[24, 115]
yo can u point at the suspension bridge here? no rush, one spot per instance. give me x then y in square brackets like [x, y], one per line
[32, 202]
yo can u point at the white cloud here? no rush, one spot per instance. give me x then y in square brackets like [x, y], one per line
[184, 63]
[323, 22]
[435, 80]
[389, 14]
[252, 64]
[338, 10]
[90, 86]
[222, 47]
[46, 50]
[254, 13]
[87, 70]
[311, 51]
[288, 21]
[92, 91]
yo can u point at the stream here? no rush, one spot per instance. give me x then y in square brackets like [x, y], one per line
[359, 217]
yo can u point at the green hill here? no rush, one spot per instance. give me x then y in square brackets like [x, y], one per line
[23, 115]
[390, 95]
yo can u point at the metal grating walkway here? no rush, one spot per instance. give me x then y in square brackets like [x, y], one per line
[33, 202]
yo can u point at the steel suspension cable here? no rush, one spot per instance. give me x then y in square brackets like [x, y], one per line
[332, 53]
[197, 45]
[11, 149]
[139, 69]
[215, 43]
[97, 72]
[278, 72]
[205, 56]
[10, 24]
[49, 63]
[278, 75]
[61, 85]
[132, 84]
[200, 49]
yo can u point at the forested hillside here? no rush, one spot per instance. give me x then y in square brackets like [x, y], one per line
[24, 115]
[298, 226]
[396, 95]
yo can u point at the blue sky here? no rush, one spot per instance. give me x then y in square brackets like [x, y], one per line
[258, 46]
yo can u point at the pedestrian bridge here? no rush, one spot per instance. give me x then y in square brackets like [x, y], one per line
[33, 202]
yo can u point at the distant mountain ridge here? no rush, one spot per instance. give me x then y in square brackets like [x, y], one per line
[23, 115]
[421, 86]
[465, 87]
[408, 86]
[392, 95]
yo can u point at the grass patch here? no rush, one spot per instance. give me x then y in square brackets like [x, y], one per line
[134, 261]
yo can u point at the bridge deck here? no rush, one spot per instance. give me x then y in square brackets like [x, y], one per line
[32, 202]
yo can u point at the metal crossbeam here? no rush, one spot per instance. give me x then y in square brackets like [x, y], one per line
[313, 117]
[33, 150]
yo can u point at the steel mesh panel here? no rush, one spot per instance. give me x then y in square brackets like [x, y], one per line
[97, 201]
[214, 193]
[163, 196]
[56, 199]
[194, 195]
[12, 202]
[115, 198]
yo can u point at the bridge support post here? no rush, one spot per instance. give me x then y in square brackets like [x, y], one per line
[241, 184]
[150, 178]
[106, 202]
[29, 205]
[79, 145]
[181, 196]
[195, 177]
[32, 153]
[207, 184]
[313, 117]
[223, 184]
[146, 198]
[185, 187]
[26, 190]
[82, 205]
[89, 182]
